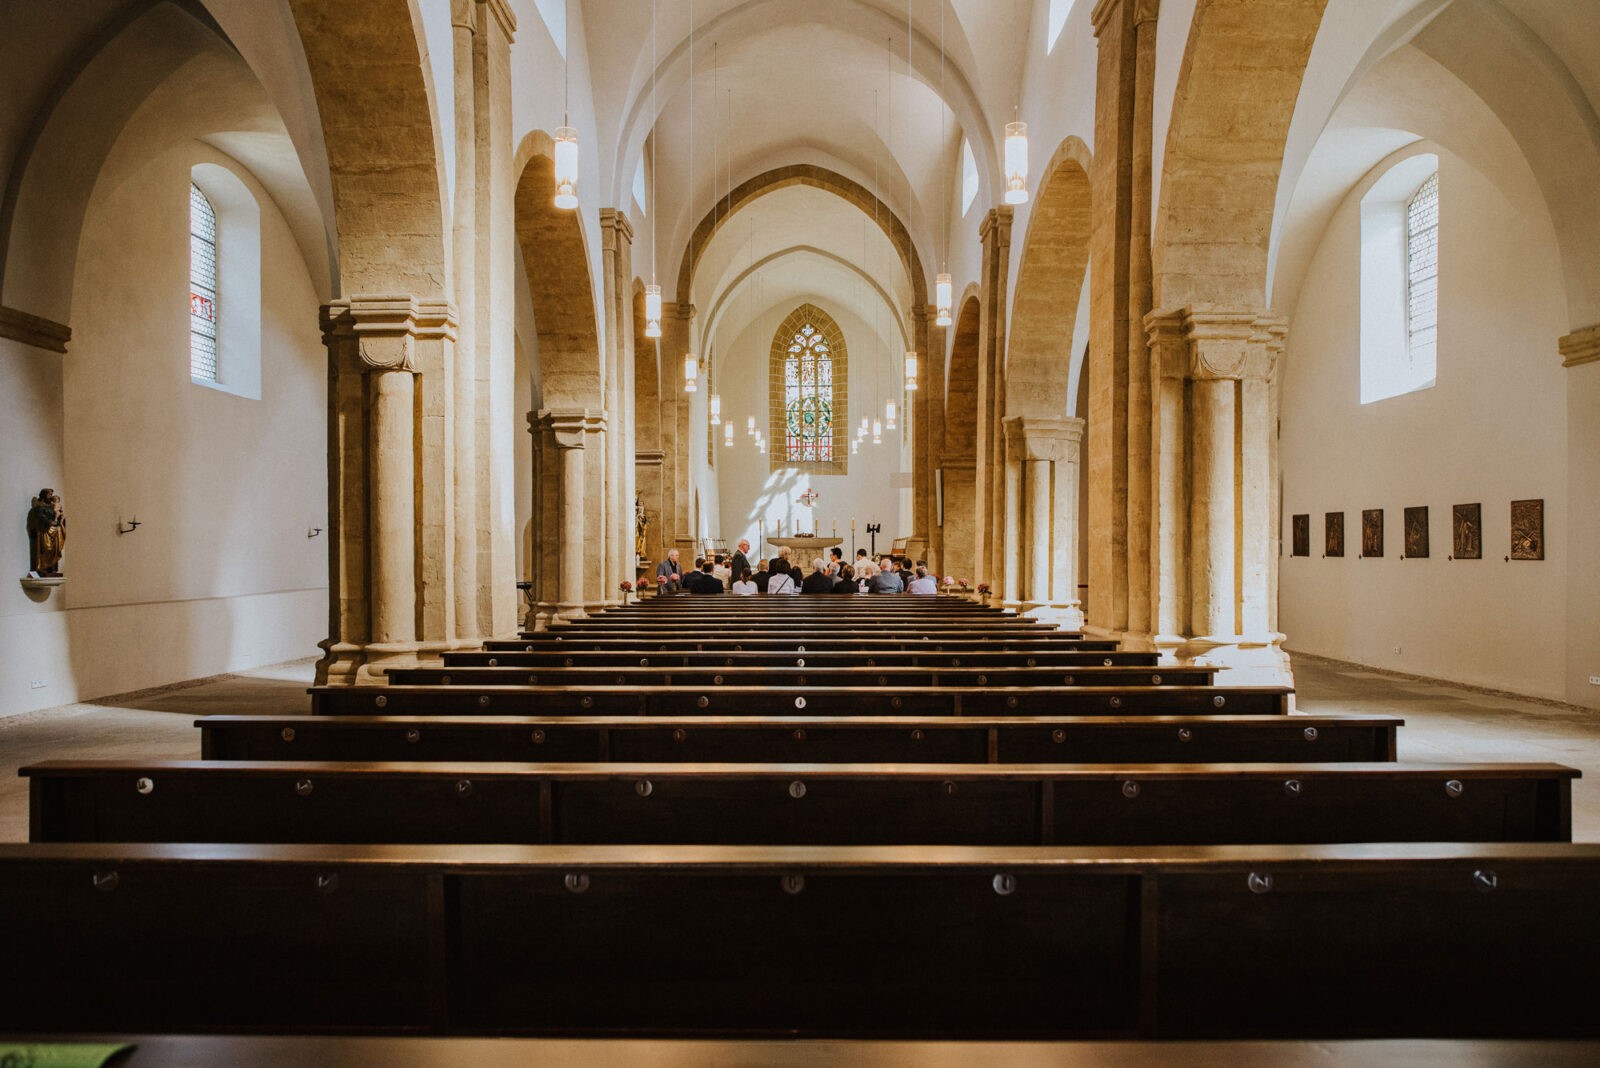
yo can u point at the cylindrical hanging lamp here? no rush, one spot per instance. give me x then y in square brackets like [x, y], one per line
[566, 168]
[855, 446]
[716, 414]
[750, 426]
[727, 434]
[877, 432]
[1016, 163]
[943, 298]
[911, 371]
[691, 372]
[890, 410]
[652, 311]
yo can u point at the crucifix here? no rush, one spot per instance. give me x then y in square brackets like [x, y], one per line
[808, 498]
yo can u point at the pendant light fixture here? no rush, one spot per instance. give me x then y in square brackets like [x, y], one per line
[943, 297]
[716, 411]
[750, 427]
[1016, 163]
[877, 432]
[911, 372]
[1016, 156]
[943, 290]
[727, 435]
[566, 137]
[890, 410]
[652, 292]
[855, 447]
[691, 372]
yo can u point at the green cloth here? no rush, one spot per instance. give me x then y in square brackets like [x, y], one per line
[59, 1054]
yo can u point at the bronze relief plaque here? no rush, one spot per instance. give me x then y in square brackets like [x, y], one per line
[1417, 533]
[1527, 530]
[1372, 532]
[1333, 534]
[1302, 535]
[1466, 531]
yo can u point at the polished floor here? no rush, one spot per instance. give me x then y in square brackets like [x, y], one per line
[1443, 722]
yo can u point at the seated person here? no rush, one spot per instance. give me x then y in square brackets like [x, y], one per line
[887, 580]
[720, 569]
[923, 583]
[703, 581]
[866, 570]
[782, 582]
[819, 581]
[746, 586]
[846, 582]
[762, 576]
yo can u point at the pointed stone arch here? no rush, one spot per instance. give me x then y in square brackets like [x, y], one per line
[809, 317]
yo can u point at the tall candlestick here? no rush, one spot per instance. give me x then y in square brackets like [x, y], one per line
[836, 526]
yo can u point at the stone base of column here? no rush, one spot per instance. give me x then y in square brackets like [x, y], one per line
[1061, 616]
[340, 664]
[378, 659]
[1130, 642]
[1248, 660]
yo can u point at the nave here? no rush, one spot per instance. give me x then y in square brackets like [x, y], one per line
[757, 870]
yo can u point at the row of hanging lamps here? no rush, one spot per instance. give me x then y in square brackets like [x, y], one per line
[566, 137]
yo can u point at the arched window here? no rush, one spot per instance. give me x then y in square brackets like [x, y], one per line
[1422, 272]
[1400, 278]
[809, 409]
[202, 287]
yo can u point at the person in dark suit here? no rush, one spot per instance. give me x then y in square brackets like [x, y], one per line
[846, 582]
[741, 559]
[819, 581]
[703, 581]
[835, 560]
[762, 577]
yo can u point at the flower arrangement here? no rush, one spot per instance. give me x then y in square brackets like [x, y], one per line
[983, 587]
[962, 583]
[626, 586]
[644, 584]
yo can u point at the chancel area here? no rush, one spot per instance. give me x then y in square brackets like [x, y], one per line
[739, 531]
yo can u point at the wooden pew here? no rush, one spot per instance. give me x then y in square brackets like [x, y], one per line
[547, 641]
[939, 942]
[763, 701]
[792, 739]
[804, 676]
[603, 658]
[797, 804]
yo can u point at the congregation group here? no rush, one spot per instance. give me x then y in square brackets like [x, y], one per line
[717, 574]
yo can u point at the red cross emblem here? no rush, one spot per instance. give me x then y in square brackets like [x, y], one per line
[808, 498]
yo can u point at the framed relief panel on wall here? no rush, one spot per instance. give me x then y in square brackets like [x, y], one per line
[1302, 535]
[1527, 530]
[1333, 534]
[1416, 533]
[1466, 532]
[1372, 532]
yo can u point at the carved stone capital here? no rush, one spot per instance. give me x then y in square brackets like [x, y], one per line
[615, 229]
[570, 428]
[1205, 342]
[383, 328]
[503, 14]
[1580, 347]
[996, 225]
[679, 311]
[1052, 440]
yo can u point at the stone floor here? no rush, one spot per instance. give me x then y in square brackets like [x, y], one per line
[1443, 722]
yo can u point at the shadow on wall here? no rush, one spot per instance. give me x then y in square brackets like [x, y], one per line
[774, 505]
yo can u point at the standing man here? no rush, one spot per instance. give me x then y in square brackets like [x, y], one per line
[669, 573]
[741, 559]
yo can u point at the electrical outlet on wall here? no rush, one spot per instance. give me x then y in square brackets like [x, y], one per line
[36, 684]
[1397, 650]
[1594, 680]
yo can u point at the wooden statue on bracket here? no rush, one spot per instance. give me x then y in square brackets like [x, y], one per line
[47, 535]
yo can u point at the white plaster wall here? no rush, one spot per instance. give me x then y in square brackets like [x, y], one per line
[751, 491]
[1493, 430]
[221, 575]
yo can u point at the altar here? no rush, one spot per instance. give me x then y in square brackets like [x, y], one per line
[807, 548]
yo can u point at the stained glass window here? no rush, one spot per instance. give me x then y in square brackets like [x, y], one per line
[1422, 272]
[808, 397]
[202, 287]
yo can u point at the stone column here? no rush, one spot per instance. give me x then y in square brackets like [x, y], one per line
[995, 234]
[386, 524]
[935, 341]
[568, 434]
[1139, 297]
[617, 242]
[1111, 179]
[1226, 360]
[466, 18]
[1580, 355]
[1039, 494]
[1009, 578]
[677, 323]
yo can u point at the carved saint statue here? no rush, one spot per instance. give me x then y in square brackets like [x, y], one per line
[641, 521]
[47, 534]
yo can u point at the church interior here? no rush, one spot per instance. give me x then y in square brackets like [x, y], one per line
[1209, 356]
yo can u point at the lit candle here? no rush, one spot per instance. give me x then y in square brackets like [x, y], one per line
[836, 526]
[852, 522]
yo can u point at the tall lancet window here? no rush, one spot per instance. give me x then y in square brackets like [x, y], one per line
[1422, 273]
[202, 287]
[809, 395]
